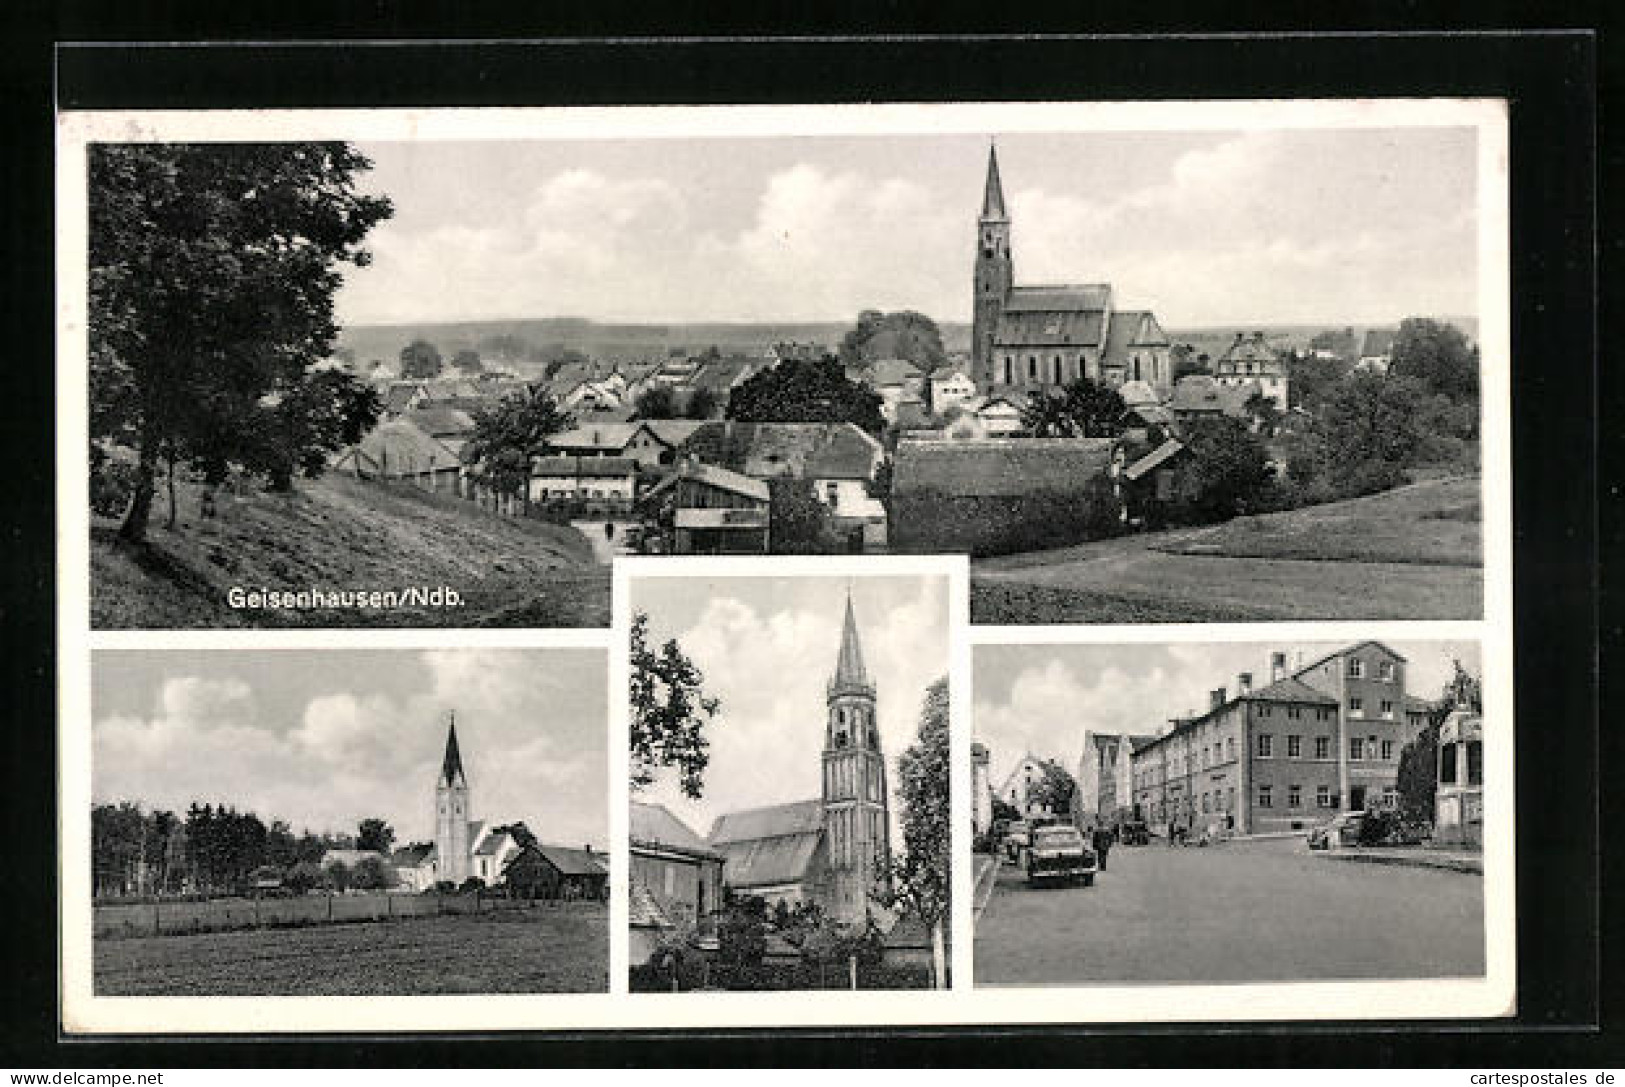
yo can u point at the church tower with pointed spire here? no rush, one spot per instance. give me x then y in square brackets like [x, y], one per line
[857, 828]
[453, 859]
[994, 272]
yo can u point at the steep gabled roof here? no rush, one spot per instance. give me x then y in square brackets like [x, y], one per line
[655, 825]
[574, 862]
[775, 820]
[451, 768]
[1060, 298]
[993, 194]
[849, 668]
[492, 845]
[1290, 689]
[760, 862]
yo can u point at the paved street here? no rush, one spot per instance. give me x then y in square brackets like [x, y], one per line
[1240, 911]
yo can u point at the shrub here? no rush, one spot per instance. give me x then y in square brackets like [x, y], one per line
[927, 520]
[1379, 827]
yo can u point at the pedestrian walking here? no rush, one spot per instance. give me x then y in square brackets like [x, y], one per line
[1103, 845]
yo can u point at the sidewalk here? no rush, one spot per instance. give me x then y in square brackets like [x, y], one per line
[1417, 857]
[984, 876]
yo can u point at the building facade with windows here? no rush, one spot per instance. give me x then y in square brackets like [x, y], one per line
[1317, 739]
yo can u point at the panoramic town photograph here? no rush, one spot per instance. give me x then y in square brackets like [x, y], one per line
[789, 774]
[1160, 376]
[400, 822]
[1228, 812]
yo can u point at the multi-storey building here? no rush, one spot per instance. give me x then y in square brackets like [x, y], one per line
[1318, 738]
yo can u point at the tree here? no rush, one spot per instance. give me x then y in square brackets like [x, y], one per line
[467, 361]
[420, 359]
[372, 874]
[701, 404]
[901, 335]
[507, 436]
[1371, 419]
[798, 523]
[1438, 355]
[669, 710]
[1227, 473]
[742, 935]
[212, 270]
[1187, 362]
[1266, 417]
[303, 876]
[1053, 790]
[521, 833]
[1004, 811]
[374, 834]
[1417, 782]
[656, 402]
[1310, 379]
[802, 391]
[1084, 409]
[324, 412]
[920, 874]
[338, 875]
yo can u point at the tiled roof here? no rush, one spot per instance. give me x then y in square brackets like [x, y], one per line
[723, 479]
[1249, 349]
[1419, 705]
[1048, 328]
[757, 862]
[798, 817]
[723, 374]
[1059, 298]
[1290, 689]
[655, 825]
[1324, 657]
[611, 436]
[673, 432]
[643, 909]
[584, 467]
[412, 856]
[796, 450]
[493, 844]
[398, 446]
[1154, 459]
[1138, 394]
[1199, 393]
[574, 862]
[999, 466]
[440, 421]
[893, 372]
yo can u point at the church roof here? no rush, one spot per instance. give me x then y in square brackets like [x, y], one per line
[655, 825]
[759, 862]
[452, 768]
[849, 664]
[1131, 329]
[492, 845]
[993, 198]
[1059, 298]
[775, 820]
[1048, 328]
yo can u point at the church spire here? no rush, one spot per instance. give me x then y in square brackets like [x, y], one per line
[451, 771]
[993, 200]
[849, 665]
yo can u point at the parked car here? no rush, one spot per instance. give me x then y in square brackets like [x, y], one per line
[1344, 827]
[1060, 853]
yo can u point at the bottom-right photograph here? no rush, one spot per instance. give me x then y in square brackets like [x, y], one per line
[1228, 812]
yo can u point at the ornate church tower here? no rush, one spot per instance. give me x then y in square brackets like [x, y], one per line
[994, 274]
[451, 809]
[857, 829]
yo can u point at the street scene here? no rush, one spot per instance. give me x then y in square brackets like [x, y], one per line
[1318, 821]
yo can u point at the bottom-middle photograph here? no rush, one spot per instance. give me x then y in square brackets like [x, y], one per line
[789, 764]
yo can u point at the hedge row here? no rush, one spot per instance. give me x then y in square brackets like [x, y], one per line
[930, 521]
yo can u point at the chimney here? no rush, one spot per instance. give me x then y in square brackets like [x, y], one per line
[587, 849]
[1244, 683]
[1240, 336]
[1277, 667]
[1218, 697]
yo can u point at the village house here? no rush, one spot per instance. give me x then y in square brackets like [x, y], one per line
[949, 387]
[603, 483]
[675, 880]
[1377, 350]
[557, 872]
[400, 450]
[1198, 396]
[1252, 365]
[451, 427]
[710, 510]
[1020, 786]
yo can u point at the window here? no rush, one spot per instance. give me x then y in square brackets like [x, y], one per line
[1032, 366]
[1266, 798]
[1057, 366]
[1230, 800]
[832, 490]
[1447, 764]
[1293, 713]
[1475, 762]
[1356, 668]
[1387, 749]
[1323, 747]
[671, 881]
[1294, 796]
[1230, 747]
[1356, 747]
[1323, 796]
[1207, 803]
[1356, 706]
[1266, 745]
[1294, 747]
[1009, 377]
[1385, 671]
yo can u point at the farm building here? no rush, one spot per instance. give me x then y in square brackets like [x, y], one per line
[552, 871]
[676, 878]
[398, 449]
[712, 511]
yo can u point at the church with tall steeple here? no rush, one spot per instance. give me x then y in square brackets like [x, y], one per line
[832, 850]
[1034, 337]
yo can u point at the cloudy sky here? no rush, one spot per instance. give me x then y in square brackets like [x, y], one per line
[324, 739]
[1205, 228]
[767, 646]
[1042, 699]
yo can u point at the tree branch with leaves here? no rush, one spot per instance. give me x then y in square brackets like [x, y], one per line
[670, 711]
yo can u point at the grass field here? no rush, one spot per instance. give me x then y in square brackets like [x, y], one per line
[339, 533]
[1410, 553]
[545, 950]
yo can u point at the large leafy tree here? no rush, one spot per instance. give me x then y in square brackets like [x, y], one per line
[507, 436]
[904, 334]
[1372, 417]
[806, 391]
[421, 359]
[375, 834]
[1054, 788]
[1228, 472]
[670, 711]
[1438, 355]
[921, 873]
[212, 270]
[1084, 409]
[1311, 379]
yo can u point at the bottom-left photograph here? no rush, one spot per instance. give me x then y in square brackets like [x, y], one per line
[349, 822]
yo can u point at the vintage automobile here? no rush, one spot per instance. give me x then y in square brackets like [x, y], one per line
[1016, 837]
[1134, 832]
[1343, 828]
[1059, 853]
